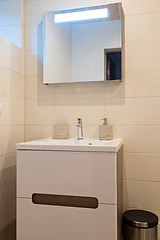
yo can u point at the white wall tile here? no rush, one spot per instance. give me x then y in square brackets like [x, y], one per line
[96, 56]
[96, 71]
[79, 57]
[79, 72]
[79, 41]
[80, 29]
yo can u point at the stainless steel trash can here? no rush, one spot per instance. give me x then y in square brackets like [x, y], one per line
[139, 225]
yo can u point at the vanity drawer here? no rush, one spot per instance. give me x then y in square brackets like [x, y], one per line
[59, 223]
[91, 174]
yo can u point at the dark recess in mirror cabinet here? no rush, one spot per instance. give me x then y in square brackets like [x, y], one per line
[113, 65]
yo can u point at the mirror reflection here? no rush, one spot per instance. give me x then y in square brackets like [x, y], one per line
[86, 48]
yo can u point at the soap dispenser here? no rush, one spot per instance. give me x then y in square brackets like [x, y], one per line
[105, 131]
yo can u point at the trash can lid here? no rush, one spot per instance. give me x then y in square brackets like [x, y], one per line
[140, 219]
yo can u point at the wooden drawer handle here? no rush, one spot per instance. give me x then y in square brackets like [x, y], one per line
[65, 200]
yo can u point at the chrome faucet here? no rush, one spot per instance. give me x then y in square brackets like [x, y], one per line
[79, 129]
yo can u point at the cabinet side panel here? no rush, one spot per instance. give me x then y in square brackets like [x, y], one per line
[119, 192]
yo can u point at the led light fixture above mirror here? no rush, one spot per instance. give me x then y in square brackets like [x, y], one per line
[81, 15]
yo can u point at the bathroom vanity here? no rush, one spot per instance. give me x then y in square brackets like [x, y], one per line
[69, 189]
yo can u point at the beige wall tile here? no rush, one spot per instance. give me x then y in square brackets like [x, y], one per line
[38, 132]
[139, 138]
[7, 168]
[88, 131]
[142, 27]
[7, 161]
[12, 111]
[8, 54]
[114, 89]
[17, 85]
[91, 131]
[31, 38]
[133, 110]
[141, 194]
[80, 91]
[39, 112]
[143, 6]
[33, 63]
[36, 90]
[12, 99]
[10, 135]
[4, 82]
[16, 59]
[9, 232]
[141, 166]
[5, 47]
[31, 15]
[142, 83]
[91, 111]
[7, 221]
[142, 56]
[7, 196]
[12, 83]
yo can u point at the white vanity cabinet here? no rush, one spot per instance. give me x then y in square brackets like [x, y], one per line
[68, 194]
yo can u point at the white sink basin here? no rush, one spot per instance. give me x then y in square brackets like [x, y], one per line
[72, 145]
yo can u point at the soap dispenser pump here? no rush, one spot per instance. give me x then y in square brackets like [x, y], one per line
[105, 131]
[105, 121]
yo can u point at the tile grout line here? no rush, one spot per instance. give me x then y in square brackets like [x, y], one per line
[8, 211]
[12, 97]
[92, 98]
[9, 69]
[143, 13]
[11, 153]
